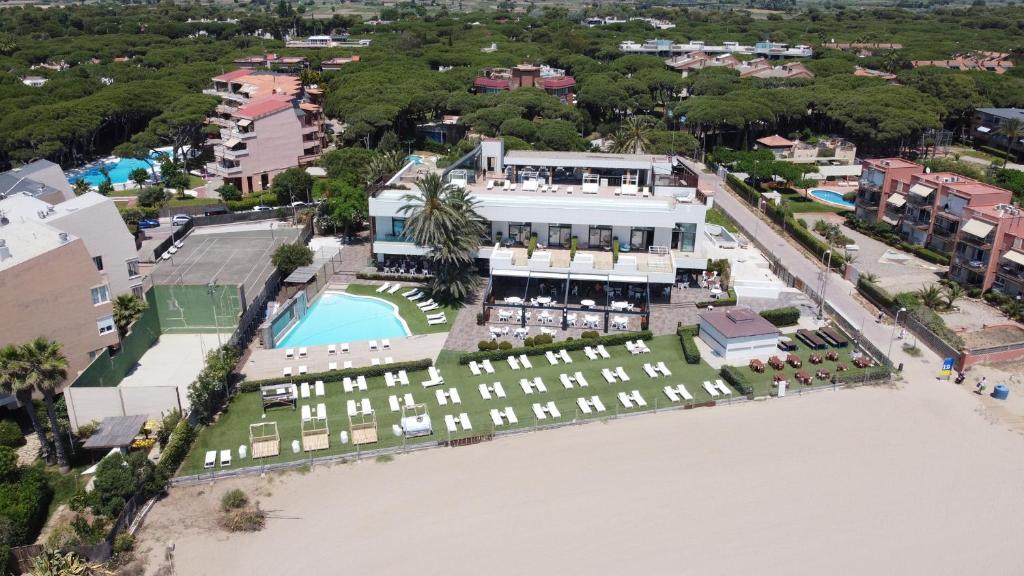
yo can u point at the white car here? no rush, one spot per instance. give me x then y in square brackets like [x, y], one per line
[180, 219]
[260, 208]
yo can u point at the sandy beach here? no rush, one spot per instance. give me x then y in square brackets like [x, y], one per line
[916, 479]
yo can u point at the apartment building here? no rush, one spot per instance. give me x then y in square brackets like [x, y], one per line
[998, 62]
[272, 61]
[40, 179]
[986, 124]
[766, 49]
[988, 250]
[551, 80]
[268, 123]
[646, 204]
[831, 150]
[927, 209]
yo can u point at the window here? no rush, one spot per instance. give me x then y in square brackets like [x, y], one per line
[520, 233]
[559, 235]
[641, 238]
[105, 324]
[100, 295]
[397, 227]
[138, 292]
[601, 237]
[98, 261]
[684, 237]
[133, 268]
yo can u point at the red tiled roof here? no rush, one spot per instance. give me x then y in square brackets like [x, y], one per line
[231, 75]
[265, 106]
[482, 82]
[774, 141]
[564, 82]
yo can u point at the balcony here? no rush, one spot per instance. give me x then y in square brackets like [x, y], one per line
[222, 122]
[307, 158]
[311, 129]
[868, 200]
[225, 95]
[224, 171]
[915, 200]
[944, 231]
[919, 223]
[230, 154]
[869, 186]
[225, 109]
[974, 264]
[983, 243]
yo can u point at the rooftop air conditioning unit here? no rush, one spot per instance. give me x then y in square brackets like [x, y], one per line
[63, 237]
[5, 252]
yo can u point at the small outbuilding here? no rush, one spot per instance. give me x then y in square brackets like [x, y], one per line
[738, 334]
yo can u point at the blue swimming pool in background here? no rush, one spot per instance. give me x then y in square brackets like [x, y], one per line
[832, 197]
[337, 317]
[120, 171]
[414, 158]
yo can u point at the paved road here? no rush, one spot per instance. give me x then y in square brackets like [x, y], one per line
[838, 293]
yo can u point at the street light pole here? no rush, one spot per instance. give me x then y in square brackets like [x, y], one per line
[892, 336]
[824, 283]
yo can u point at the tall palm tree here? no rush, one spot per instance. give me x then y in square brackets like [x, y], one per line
[127, 309]
[13, 381]
[45, 368]
[431, 220]
[1011, 129]
[930, 296]
[633, 135]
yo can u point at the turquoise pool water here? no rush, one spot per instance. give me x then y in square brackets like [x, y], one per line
[832, 198]
[120, 171]
[415, 159]
[337, 317]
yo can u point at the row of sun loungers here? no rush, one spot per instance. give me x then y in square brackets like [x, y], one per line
[500, 417]
[496, 389]
[385, 344]
[391, 379]
[576, 379]
[657, 370]
[318, 388]
[717, 389]
[611, 376]
[453, 423]
[396, 404]
[485, 366]
[634, 397]
[287, 370]
[638, 347]
[542, 411]
[554, 357]
[321, 412]
[360, 407]
[593, 353]
[451, 395]
[529, 386]
[522, 361]
[674, 393]
[350, 384]
[593, 404]
[211, 458]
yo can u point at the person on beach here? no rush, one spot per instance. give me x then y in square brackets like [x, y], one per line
[981, 385]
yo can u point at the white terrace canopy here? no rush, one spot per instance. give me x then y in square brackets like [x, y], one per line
[584, 160]
[519, 273]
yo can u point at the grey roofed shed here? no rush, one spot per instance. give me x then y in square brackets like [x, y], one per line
[301, 275]
[116, 432]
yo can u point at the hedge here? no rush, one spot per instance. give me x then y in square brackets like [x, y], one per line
[729, 301]
[892, 239]
[878, 295]
[686, 340]
[788, 316]
[252, 201]
[178, 446]
[392, 277]
[23, 506]
[578, 344]
[339, 375]
[10, 434]
[1001, 154]
[746, 191]
[737, 379]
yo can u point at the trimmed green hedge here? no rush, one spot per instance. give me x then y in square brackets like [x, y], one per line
[178, 446]
[339, 375]
[730, 301]
[23, 506]
[878, 295]
[737, 379]
[686, 340]
[745, 191]
[577, 344]
[887, 235]
[788, 316]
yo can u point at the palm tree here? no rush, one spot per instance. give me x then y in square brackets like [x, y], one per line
[633, 135]
[953, 292]
[57, 563]
[869, 277]
[383, 165]
[1014, 310]
[1011, 129]
[81, 186]
[13, 381]
[45, 368]
[431, 221]
[127, 309]
[930, 296]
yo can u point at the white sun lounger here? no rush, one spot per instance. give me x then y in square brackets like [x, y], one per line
[499, 390]
[431, 307]
[671, 393]
[416, 296]
[464, 420]
[423, 305]
[639, 399]
[564, 355]
[565, 380]
[553, 410]
[580, 380]
[346, 384]
[663, 369]
[393, 403]
[332, 365]
[596, 401]
[385, 344]
[487, 366]
[344, 347]
[361, 382]
[211, 459]
[711, 389]
[453, 393]
[474, 368]
[651, 372]
[584, 405]
[510, 414]
[304, 390]
[633, 349]
[303, 352]
[408, 293]
[287, 371]
[438, 315]
[442, 398]
[539, 384]
[394, 288]
[538, 411]
[383, 287]
[289, 353]
[389, 379]
[367, 409]
[591, 355]
[303, 369]
[684, 392]
[407, 400]
[604, 353]
[551, 357]
[225, 458]
[513, 363]
[609, 376]
[319, 387]
[622, 374]
[321, 411]
[352, 411]
[449, 422]
[332, 349]
[643, 347]
[526, 386]
[485, 392]
[525, 362]
[496, 417]
[625, 400]
[436, 321]
[722, 387]
[403, 378]
[347, 364]
[373, 345]
[435, 374]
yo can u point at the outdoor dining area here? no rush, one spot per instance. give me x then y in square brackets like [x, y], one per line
[563, 301]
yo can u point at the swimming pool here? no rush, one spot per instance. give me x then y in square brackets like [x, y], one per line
[415, 159]
[338, 317]
[120, 169]
[832, 197]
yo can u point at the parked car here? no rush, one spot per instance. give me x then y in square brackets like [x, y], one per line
[180, 219]
[299, 204]
[213, 211]
[148, 223]
[260, 208]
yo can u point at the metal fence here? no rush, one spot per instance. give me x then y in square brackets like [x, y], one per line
[234, 217]
[177, 233]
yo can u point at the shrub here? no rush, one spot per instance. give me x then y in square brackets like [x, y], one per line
[480, 320]
[339, 375]
[737, 379]
[233, 500]
[244, 520]
[10, 434]
[531, 246]
[253, 200]
[528, 342]
[532, 348]
[615, 250]
[728, 301]
[590, 334]
[177, 448]
[8, 464]
[416, 278]
[973, 292]
[124, 542]
[879, 296]
[85, 431]
[572, 248]
[487, 345]
[686, 339]
[506, 345]
[23, 505]
[542, 339]
[788, 316]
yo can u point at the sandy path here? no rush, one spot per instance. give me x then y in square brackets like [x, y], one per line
[911, 481]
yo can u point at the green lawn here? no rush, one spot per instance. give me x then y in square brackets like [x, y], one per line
[763, 383]
[798, 203]
[715, 216]
[175, 202]
[413, 316]
[195, 182]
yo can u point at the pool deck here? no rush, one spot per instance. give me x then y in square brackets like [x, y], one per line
[261, 363]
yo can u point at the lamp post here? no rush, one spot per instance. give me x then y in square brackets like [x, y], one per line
[824, 282]
[892, 336]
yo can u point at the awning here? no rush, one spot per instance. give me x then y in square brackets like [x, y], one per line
[984, 129]
[510, 272]
[244, 122]
[633, 279]
[588, 277]
[921, 190]
[232, 142]
[1014, 256]
[551, 275]
[977, 228]
[897, 200]
[890, 220]
[116, 432]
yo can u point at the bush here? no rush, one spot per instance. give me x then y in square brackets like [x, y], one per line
[615, 250]
[728, 301]
[974, 292]
[737, 379]
[788, 316]
[252, 201]
[229, 192]
[506, 345]
[152, 196]
[572, 248]
[879, 296]
[339, 375]
[177, 448]
[487, 345]
[8, 464]
[533, 348]
[244, 520]
[10, 434]
[686, 339]
[590, 334]
[23, 505]
[233, 500]
[124, 542]
[480, 320]
[85, 431]
[531, 246]
[543, 339]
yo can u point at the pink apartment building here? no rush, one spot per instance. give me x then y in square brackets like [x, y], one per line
[989, 249]
[268, 123]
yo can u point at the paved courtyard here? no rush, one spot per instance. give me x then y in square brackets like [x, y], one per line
[174, 360]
